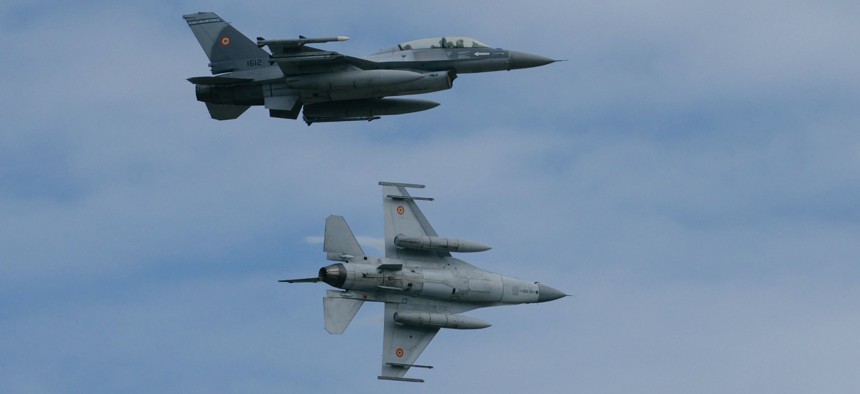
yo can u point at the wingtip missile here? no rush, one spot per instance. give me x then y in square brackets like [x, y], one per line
[296, 42]
[303, 280]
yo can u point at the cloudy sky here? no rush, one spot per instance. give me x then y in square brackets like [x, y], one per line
[691, 176]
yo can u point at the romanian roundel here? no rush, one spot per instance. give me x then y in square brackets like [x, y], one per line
[225, 41]
[400, 209]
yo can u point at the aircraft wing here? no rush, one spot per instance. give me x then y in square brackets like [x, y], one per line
[402, 344]
[403, 217]
[296, 58]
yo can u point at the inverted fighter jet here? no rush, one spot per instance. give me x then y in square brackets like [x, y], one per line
[423, 287]
[333, 87]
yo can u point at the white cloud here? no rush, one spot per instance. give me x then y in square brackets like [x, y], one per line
[375, 243]
[314, 240]
[372, 242]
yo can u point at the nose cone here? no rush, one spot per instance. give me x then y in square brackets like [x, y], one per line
[526, 60]
[546, 293]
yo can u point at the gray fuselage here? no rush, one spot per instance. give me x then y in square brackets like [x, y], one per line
[452, 281]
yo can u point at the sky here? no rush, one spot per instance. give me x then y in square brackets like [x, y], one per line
[690, 175]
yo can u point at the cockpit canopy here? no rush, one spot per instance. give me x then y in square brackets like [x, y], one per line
[443, 42]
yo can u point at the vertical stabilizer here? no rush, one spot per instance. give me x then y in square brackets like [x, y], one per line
[227, 48]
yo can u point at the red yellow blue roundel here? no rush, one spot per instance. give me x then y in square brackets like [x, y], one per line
[399, 352]
[400, 209]
[225, 41]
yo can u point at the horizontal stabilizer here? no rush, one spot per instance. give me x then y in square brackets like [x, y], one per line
[340, 243]
[339, 313]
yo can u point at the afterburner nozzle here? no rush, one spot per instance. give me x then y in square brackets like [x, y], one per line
[334, 275]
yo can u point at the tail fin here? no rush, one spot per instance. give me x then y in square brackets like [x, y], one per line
[227, 48]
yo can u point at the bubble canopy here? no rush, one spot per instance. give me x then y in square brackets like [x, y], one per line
[443, 42]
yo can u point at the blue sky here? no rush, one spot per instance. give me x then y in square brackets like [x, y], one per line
[691, 176]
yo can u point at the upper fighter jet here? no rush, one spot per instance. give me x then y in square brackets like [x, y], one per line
[331, 86]
[423, 287]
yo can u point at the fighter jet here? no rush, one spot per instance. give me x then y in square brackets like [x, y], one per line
[333, 87]
[423, 287]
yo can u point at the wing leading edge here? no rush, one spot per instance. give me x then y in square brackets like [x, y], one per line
[294, 57]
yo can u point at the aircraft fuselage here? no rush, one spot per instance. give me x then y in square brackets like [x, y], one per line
[454, 281]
